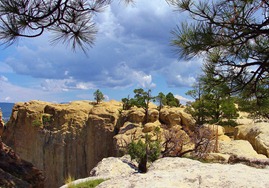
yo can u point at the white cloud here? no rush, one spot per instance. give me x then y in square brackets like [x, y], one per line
[131, 47]
[182, 73]
[65, 85]
[183, 100]
[14, 93]
[3, 78]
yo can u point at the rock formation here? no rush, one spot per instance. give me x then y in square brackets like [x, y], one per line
[62, 139]
[257, 134]
[2, 124]
[15, 172]
[179, 172]
[70, 139]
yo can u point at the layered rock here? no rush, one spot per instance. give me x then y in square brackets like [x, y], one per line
[62, 139]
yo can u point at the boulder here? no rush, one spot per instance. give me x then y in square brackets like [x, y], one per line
[153, 115]
[112, 167]
[176, 116]
[150, 127]
[257, 134]
[136, 115]
[224, 138]
[170, 116]
[214, 129]
[240, 148]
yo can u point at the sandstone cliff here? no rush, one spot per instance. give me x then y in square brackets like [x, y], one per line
[70, 139]
[62, 139]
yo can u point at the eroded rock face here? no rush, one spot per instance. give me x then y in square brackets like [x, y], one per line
[15, 172]
[256, 134]
[70, 139]
[176, 116]
[62, 139]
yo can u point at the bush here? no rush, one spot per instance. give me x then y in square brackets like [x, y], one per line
[37, 123]
[47, 119]
[86, 184]
[228, 123]
[143, 152]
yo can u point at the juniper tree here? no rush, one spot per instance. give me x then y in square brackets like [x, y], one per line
[98, 96]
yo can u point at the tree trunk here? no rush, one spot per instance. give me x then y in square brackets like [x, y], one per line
[142, 166]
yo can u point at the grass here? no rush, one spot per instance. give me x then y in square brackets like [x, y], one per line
[86, 184]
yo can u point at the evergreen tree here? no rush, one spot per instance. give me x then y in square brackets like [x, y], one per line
[161, 98]
[232, 35]
[143, 152]
[98, 96]
[171, 100]
[71, 20]
[213, 103]
[142, 99]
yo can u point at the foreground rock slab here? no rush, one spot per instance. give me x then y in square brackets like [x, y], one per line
[181, 172]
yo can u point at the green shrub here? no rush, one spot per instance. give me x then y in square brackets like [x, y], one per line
[46, 119]
[86, 184]
[143, 152]
[37, 123]
[228, 123]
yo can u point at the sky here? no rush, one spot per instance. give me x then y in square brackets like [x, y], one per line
[132, 50]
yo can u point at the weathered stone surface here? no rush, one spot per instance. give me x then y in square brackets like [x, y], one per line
[170, 116]
[257, 134]
[150, 127]
[182, 172]
[240, 148]
[217, 157]
[112, 167]
[16, 172]
[153, 115]
[215, 129]
[176, 116]
[136, 115]
[224, 138]
[71, 142]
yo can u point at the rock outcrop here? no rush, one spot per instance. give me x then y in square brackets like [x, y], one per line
[69, 139]
[180, 172]
[62, 139]
[15, 172]
[239, 148]
[2, 123]
[257, 134]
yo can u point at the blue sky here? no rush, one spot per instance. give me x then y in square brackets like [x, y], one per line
[132, 50]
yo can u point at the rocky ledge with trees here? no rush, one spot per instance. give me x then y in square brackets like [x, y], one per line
[70, 139]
